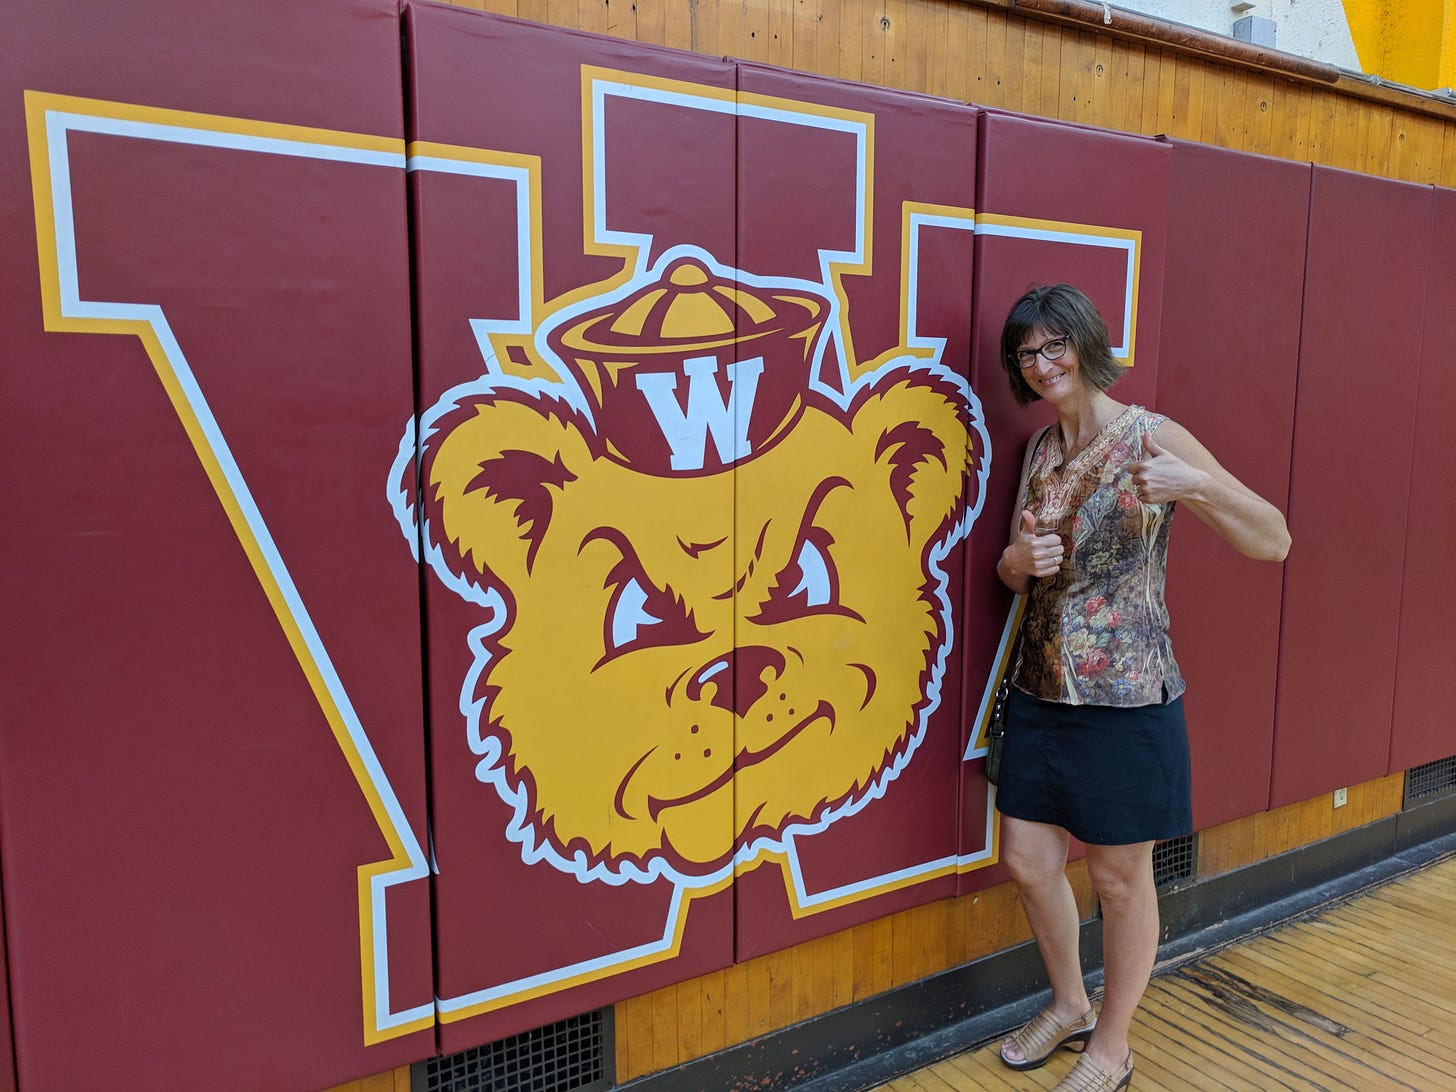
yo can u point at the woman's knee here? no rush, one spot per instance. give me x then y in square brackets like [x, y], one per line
[1033, 853]
[1119, 873]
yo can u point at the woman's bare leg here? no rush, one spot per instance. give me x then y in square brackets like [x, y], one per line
[1123, 878]
[1036, 854]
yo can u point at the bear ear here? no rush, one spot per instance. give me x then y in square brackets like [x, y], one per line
[493, 469]
[920, 430]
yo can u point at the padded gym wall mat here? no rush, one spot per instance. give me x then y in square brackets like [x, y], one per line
[1055, 202]
[575, 228]
[212, 791]
[1421, 730]
[863, 199]
[1355, 412]
[1230, 356]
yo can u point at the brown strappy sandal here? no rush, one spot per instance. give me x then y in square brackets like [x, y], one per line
[1088, 1076]
[1040, 1037]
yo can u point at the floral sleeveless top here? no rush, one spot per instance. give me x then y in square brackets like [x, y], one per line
[1096, 633]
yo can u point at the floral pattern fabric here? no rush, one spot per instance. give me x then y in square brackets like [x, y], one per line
[1096, 633]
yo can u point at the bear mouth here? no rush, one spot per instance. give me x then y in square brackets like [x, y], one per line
[742, 760]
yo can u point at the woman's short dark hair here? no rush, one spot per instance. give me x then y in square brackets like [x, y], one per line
[1060, 310]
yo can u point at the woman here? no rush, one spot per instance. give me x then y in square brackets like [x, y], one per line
[1096, 745]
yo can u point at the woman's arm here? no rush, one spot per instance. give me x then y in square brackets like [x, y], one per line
[1027, 555]
[1176, 467]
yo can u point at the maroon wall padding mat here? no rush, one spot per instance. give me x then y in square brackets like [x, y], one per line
[7, 1042]
[550, 173]
[188, 820]
[868, 195]
[1230, 354]
[1365, 298]
[1422, 724]
[1056, 202]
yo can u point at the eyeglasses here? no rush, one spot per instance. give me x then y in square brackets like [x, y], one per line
[1054, 349]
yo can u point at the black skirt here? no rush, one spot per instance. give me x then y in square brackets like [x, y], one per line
[1108, 775]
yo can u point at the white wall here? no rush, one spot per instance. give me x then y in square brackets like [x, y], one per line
[1309, 28]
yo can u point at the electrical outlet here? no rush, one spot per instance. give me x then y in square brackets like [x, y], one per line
[1339, 798]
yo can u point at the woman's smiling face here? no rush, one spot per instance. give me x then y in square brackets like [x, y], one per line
[1052, 379]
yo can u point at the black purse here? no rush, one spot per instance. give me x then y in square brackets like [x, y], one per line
[996, 730]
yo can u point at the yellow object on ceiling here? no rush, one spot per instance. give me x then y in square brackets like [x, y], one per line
[1407, 41]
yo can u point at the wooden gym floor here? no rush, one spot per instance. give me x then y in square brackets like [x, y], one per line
[1358, 995]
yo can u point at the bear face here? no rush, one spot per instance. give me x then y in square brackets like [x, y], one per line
[691, 664]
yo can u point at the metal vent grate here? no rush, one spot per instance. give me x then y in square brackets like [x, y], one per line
[1431, 780]
[1175, 861]
[567, 1056]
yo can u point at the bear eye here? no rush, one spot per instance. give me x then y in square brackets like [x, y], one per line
[816, 584]
[628, 616]
[807, 585]
[641, 615]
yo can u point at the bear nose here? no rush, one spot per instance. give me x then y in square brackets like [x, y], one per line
[740, 678]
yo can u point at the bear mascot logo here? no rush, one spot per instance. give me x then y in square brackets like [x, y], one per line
[715, 611]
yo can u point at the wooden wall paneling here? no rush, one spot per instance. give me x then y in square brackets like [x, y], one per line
[1303, 144]
[1230, 354]
[754, 39]
[1352, 456]
[632, 1030]
[1100, 110]
[712, 1022]
[954, 79]
[788, 990]
[564, 13]
[666, 1049]
[1232, 128]
[1266, 834]
[1132, 67]
[1044, 69]
[692, 997]
[1282, 132]
[808, 34]
[863, 963]
[784, 26]
[1078, 49]
[1014, 81]
[1378, 141]
[394, 1080]
[598, 17]
[1416, 148]
[1186, 120]
[737, 1020]
[1423, 728]
[882, 956]
[853, 23]
[1261, 125]
[914, 27]
[730, 19]
[969, 25]
[842, 974]
[994, 90]
[1354, 143]
[872, 30]
[899, 44]
[652, 21]
[1160, 77]
[1326, 122]
[934, 26]
[1215, 82]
